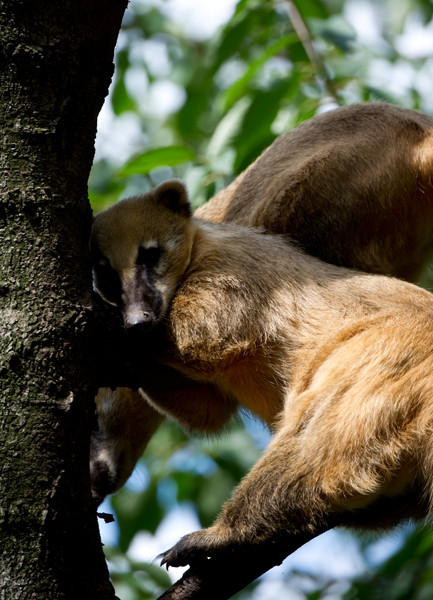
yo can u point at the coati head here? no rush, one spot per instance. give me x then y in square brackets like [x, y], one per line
[140, 248]
[125, 423]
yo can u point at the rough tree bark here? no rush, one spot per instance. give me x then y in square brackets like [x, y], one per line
[55, 68]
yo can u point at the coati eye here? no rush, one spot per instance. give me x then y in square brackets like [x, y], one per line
[148, 257]
[103, 263]
[105, 279]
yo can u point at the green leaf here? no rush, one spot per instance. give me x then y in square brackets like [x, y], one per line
[155, 572]
[312, 8]
[169, 156]
[256, 134]
[188, 118]
[135, 511]
[337, 30]
[238, 89]
[233, 36]
[240, 36]
[228, 128]
[120, 99]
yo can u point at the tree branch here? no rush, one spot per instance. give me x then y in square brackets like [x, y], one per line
[220, 579]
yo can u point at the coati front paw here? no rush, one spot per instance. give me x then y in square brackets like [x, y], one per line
[185, 552]
[197, 547]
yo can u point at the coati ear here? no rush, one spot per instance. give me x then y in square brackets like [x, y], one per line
[173, 195]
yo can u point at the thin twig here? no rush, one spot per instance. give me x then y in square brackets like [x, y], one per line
[304, 35]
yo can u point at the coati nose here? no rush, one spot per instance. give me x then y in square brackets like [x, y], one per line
[102, 481]
[138, 318]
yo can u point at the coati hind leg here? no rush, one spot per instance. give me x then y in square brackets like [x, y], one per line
[273, 511]
[339, 458]
[277, 508]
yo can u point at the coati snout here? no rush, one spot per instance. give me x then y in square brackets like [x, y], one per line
[136, 295]
[140, 299]
[138, 259]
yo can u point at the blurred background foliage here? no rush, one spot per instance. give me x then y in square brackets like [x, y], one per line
[199, 95]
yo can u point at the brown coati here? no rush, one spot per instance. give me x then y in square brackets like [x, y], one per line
[335, 361]
[352, 186]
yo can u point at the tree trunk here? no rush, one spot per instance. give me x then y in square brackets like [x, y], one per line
[55, 68]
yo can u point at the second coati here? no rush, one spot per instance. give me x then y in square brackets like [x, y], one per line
[353, 186]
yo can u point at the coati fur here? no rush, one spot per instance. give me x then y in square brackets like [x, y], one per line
[336, 362]
[352, 186]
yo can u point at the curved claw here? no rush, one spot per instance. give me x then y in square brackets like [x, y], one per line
[170, 559]
[163, 560]
[185, 552]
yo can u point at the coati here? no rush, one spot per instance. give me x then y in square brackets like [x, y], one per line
[337, 362]
[352, 186]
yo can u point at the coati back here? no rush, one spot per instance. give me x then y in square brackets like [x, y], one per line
[353, 186]
[337, 362]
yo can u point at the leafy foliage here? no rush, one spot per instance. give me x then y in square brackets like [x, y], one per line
[407, 575]
[202, 108]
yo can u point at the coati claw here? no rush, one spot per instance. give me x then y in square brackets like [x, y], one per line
[179, 556]
[195, 548]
